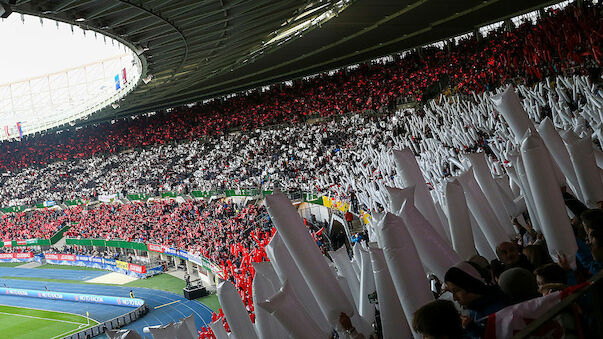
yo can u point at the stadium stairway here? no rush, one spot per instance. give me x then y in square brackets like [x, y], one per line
[356, 225]
[61, 243]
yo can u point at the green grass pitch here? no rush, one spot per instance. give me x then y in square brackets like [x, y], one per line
[22, 323]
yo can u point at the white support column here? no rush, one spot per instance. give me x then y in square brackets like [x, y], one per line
[190, 270]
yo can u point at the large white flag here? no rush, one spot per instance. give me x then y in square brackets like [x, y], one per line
[511, 320]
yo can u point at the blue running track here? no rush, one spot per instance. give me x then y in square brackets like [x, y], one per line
[50, 273]
[179, 307]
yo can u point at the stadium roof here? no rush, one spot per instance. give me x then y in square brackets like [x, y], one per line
[197, 49]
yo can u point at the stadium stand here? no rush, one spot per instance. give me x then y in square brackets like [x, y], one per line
[30, 225]
[332, 135]
[526, 55]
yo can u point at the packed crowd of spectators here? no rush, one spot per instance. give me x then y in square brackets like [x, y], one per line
[19, 249]
[291, 158]
[213, 230]
[521, 272]
[41, 224]
[230, 236]
[90, 161]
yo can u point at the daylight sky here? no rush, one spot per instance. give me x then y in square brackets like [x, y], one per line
[30, 49]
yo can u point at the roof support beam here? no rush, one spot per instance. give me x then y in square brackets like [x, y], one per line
[64, 5]
[101, 10]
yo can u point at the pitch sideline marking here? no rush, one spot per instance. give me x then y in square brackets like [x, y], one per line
[39, 309]
[62, 335]
[34, 317]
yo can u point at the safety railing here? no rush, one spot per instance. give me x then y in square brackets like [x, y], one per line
[112, 324]
[37, 242]
[134, 245]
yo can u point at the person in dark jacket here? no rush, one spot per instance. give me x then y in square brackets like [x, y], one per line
[438, 319]
[592, 220]
[471, 292]
[509, 256]
[519, 284]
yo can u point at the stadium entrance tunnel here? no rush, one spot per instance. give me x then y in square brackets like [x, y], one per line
[59, 74]
[338, 235]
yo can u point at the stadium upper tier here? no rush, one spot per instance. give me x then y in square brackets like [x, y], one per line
[44, 167]
[59, 74]
[194, 50]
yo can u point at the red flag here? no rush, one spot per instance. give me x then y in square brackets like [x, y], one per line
[20, 130]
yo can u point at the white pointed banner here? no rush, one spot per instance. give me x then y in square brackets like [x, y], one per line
[235, 312]
[482, 211]
[308, 258]
[508, 104]
[393, 321]
[548, 199]
[409, 171]
[405, 266]
[459, 219]
[265, 284]
[435, 252]
[292, 315]
[285, 268]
